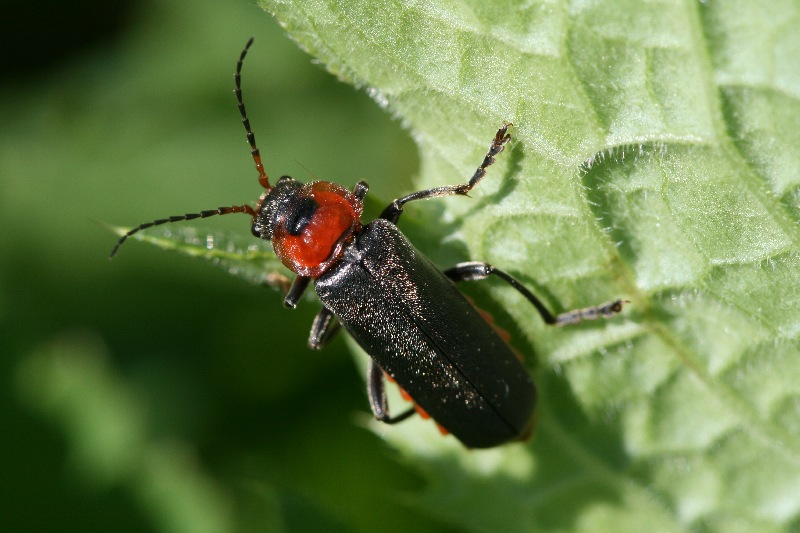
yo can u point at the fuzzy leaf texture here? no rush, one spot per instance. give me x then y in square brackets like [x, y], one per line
[655, 158]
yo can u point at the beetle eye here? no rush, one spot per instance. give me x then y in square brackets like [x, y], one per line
[303, 211]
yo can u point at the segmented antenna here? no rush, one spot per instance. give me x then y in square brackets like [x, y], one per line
[262, 176]
[251, 138]
[189, 216]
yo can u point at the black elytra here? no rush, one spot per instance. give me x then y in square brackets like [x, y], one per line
[418, 328]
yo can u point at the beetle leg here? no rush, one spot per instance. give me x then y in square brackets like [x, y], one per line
[376, 391]
[360, 190]
[475, 270]
[395, 209]
[324, 327]
[299, 286]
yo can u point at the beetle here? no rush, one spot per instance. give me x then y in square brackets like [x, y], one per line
[418, 328]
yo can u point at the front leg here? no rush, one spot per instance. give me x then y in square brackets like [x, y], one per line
[299, 286]
[395, 209]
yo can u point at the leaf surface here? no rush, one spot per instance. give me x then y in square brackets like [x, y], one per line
[654, 158]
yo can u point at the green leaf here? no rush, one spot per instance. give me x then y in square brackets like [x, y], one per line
[655, 158]
[245, 259]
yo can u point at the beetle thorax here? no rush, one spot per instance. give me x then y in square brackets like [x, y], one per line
[308, 224]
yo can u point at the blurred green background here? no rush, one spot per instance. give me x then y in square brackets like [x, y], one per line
[156, 392]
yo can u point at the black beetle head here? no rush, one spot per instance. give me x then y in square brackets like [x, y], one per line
[286, 197]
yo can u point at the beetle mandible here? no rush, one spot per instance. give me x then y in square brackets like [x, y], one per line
[418, 328]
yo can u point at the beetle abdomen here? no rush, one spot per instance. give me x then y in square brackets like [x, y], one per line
[423, 332]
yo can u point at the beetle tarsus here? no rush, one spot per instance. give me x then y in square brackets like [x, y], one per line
[605, 310]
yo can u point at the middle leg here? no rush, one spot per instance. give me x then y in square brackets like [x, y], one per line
[475, 270]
